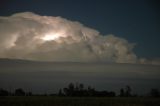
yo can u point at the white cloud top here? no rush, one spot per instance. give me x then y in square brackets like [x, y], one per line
[46, 38]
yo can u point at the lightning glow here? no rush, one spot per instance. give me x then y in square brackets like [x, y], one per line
[50, 36]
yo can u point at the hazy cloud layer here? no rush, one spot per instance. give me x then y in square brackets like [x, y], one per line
[51, 76]
[46, 38]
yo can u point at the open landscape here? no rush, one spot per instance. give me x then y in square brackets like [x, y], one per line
[79, 53]
[77, 101]
[25, 83]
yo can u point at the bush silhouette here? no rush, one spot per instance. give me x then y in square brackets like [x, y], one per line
[154, 93]
[19, 92]
[4, 92]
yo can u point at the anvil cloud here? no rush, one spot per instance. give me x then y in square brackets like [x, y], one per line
[47, 38]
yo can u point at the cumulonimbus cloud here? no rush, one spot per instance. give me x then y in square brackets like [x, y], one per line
[47, 38]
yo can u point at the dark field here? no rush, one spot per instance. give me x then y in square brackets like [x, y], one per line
[77, 101]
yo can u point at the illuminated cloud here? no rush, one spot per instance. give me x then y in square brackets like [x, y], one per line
[46, 38]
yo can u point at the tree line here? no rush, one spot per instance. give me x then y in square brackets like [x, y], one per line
[79, 90]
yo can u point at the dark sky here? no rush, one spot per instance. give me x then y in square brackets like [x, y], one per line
[135, 20]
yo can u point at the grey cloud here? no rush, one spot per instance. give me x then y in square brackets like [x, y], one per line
[45, 75]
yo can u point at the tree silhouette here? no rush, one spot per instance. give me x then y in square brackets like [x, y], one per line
[122, 94]
[29, 94]
[19, 92]
[125, 92]
[71, 86]
[91, 91]
[154, 93]
[4, 92]
[71, 89]
[128, 91]
[80, 91]
[81, 86]
[66, 91]
[60, 93]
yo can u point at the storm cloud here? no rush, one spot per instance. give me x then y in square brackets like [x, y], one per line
[47, 38]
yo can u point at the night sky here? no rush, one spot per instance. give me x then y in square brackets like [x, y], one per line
[135, 20]
[69, 48]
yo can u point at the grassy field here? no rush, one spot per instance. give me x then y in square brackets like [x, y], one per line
[77, 101]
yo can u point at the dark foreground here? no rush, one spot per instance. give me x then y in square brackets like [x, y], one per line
[77, 101]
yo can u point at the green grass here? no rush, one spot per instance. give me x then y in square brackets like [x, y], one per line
[77, 101]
